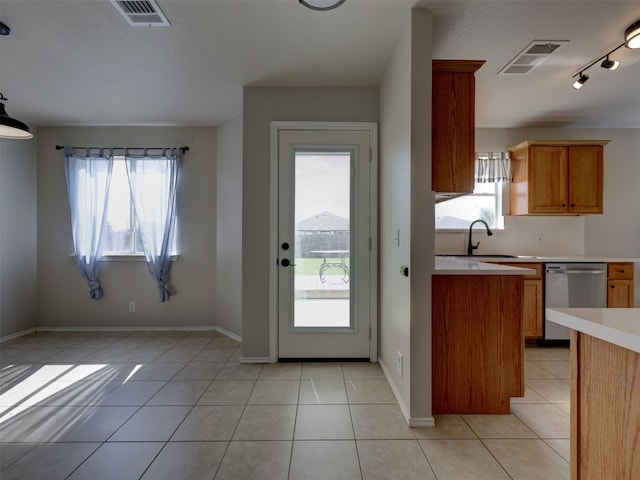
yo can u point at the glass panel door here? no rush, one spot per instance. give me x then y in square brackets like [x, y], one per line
[322, 239]
[324, 257]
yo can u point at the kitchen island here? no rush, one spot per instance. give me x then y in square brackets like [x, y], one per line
[605, 391]
[477, 336]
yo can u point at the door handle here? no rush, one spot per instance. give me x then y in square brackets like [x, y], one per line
[286, 263]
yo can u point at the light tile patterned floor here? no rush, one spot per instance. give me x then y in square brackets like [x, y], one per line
[176, 405]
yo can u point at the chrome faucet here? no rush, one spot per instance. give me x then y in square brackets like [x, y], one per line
[470, 246]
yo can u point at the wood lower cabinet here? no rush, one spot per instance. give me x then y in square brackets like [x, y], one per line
[477, 347]
[557, 177]
[620, 285]
[532, 319]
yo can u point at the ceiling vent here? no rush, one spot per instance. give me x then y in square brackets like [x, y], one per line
[141, 13]
[531, 56]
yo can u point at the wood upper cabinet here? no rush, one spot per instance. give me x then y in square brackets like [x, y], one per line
[620, 285]
[557, 177]
[453, 125]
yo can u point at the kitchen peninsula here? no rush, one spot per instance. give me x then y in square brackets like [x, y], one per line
[477, 336]
[605, 391]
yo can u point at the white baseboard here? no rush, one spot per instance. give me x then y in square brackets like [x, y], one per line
[229, 334]
[426, 422]
[196, 328]
[16, 335]
[411, 421]
[255, 360]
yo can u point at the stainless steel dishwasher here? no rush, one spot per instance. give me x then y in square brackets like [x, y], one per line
[579, 285]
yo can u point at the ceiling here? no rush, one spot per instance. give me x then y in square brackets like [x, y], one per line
[78, 62]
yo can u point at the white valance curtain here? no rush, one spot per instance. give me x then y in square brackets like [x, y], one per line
[492, 167]
[153, 180]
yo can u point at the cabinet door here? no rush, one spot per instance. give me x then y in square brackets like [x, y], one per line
[585, 179]
[453, 120]
[620, 293]
[532, 309]
[548, 167]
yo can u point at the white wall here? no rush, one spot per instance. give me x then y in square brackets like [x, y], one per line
[63, 295]
[406, 227]
[229, 227]
[18, 236]
[395, 216]
[261, 106]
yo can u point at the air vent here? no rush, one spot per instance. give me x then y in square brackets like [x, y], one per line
[141, 13]
[531, 56]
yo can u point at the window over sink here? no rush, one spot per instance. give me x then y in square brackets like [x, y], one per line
[484, 203]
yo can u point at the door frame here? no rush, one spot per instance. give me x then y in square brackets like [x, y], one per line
[372, 129]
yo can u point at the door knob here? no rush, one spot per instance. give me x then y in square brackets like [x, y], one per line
[285, 246]
[286, 263]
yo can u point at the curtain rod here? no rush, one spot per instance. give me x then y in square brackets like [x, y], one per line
[182, 149]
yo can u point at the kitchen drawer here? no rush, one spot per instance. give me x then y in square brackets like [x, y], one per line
[620, 270]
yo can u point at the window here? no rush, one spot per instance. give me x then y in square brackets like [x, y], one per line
[484, 203]
[122, 233]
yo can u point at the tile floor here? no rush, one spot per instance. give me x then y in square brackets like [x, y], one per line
[175, 405]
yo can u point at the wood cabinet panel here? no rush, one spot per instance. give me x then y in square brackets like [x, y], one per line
[532, 310]
[619, 293]
[477, 347]
[605, 412]
[585, 179]
[620, 285]
[548, 179]
[453, 125]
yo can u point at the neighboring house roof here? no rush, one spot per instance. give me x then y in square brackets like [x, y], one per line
[324, 222]
[452, 222]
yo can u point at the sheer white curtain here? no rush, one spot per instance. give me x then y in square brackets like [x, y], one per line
[492, 167]
[153, 180]
[88, 177]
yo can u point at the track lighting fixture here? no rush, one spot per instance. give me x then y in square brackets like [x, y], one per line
[631, 40]
[610, 64]
[632, 35]
[581, 81]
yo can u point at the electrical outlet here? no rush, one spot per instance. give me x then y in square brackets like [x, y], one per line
[132, 307]
[399, 363]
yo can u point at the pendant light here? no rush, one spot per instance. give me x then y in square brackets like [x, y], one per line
[322, 5]
[10, 127]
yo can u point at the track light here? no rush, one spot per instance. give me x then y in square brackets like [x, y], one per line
[610, 64]
[632, 35]
[581, 81]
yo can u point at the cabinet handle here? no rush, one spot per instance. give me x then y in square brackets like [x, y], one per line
[573, 204]
[564, 204]
[620, 271]
[612, 286]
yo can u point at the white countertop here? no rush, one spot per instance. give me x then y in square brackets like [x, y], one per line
[549, 259]
[620, 326]
[459, 266]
